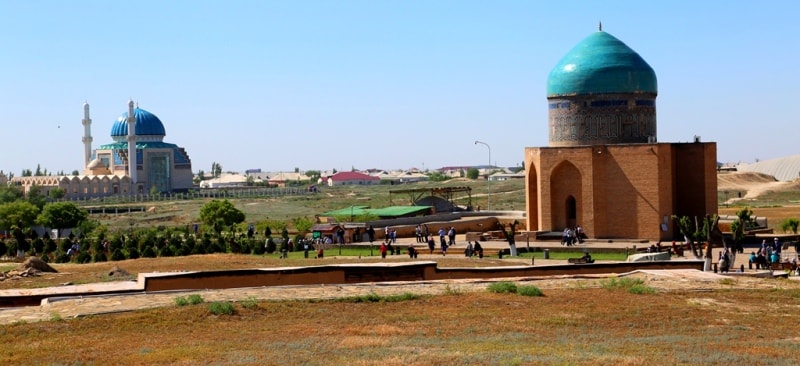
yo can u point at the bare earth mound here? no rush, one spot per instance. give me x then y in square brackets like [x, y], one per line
[754, 184]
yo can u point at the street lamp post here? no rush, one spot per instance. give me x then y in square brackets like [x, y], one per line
[488, 186]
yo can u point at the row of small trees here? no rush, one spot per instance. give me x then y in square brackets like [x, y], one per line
[222, 233]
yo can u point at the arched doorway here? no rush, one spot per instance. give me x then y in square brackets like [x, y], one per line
[565, 196]
[571, 207]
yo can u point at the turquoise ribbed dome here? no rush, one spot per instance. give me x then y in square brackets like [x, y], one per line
[146, 124]
[601, 64]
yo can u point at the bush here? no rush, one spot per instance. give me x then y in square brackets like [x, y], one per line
[62, 257]
[181, 301]
[622, 283]
[257, 247]
[250, 303]
[529, 290]
[195, 299]
[83, 257]
[117, 255]
[198, 249]
[221, 308]
[503, 287]
[148, 252]
[166, 251]
[133, 253]
[38, 245]
[641, 290]
[271, 246]
[99, 257]
[49, 245]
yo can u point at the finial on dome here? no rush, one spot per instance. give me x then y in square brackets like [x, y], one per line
[600, 26]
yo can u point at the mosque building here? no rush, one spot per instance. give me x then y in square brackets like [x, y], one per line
[138, 161]
[604, 169]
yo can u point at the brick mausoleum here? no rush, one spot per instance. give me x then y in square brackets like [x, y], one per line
[604, 169]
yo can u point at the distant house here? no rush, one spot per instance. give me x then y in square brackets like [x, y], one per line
[350, 178]
[506, 175]
[400, 176]
[225, 180]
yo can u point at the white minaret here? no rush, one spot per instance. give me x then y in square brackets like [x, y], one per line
[131, 143]
[87, 135]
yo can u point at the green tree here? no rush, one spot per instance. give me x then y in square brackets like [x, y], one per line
[303, 225]
[62, 215]
[437, 176]
[10, 193]
[219, 214]
[472, 173]
[57, 193]
[313, 174]
[36, 197]
[21, 214]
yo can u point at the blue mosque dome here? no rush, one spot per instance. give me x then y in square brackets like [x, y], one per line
[146, 124]
[601, 64]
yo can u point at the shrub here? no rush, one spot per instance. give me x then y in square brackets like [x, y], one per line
[529, 290]
[49, 245]
[181, 301]
[451, 291]
[62, 257]
[38, 245]
[221, 308]
[257, 247]
[641, 289]
[166, 251]
[192, 299]
[198, 249]
[250, 303]
[271, 246]
[83, 257]
[195, 299]
[621, 283]
[148, 252]
[99, 257]
[503, 287]
[117, 255]
[133, 253]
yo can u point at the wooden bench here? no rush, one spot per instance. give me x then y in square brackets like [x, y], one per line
[580, 260]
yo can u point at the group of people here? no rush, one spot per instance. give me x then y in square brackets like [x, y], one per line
[767, 254]
[572, 236]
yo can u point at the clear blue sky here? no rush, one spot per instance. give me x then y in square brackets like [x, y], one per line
[378, 84]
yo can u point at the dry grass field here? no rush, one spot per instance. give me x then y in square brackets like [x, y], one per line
[733, 321]
[583, 322]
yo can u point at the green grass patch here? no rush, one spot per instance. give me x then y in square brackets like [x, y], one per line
[192, 299]
[249, 303]
[577, 254]
[529, 290]
[452, 291]
[221, 308]
[373, 297]
[503, 287]
[620, 283]
[641, 290]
